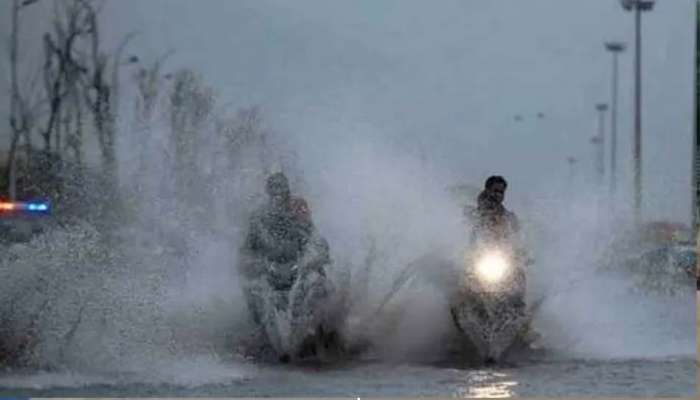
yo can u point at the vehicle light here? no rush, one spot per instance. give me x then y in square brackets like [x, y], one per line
[492, 267]
[31, 207]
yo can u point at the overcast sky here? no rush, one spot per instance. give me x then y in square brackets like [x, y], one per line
[446, 76]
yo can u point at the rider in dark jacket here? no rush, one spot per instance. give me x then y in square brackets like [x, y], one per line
[493, 223]
[275, 231]
[491, 218]
[282, 242]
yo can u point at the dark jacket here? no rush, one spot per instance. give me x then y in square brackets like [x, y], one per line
[492, 220]
[280, 244]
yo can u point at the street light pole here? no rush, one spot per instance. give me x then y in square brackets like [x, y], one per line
[615, 48]
[638, 115]
[572, 173]
[600, 142]
[696, 139]
[572, 161]
[638, 6]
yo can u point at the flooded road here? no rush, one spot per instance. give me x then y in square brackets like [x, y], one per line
[542, 377]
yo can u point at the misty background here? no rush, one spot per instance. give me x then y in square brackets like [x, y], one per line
[442, 82]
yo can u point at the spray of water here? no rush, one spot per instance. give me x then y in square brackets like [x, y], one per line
[381, 209]
[593, 307]
[161, 287]
[386, 210]
[151, 298]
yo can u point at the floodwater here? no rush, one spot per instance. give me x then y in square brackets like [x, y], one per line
[627, 346]
[541, 377]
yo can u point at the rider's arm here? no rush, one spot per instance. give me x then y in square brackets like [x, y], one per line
[249, 264]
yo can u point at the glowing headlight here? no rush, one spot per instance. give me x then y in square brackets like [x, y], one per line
[492, 267]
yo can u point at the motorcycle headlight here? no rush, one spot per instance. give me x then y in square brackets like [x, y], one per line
[492, 267]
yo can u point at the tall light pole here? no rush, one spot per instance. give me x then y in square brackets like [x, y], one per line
[696, 141]
[572, 174]
[599, 141]
[572, 163]
[638, 6]
[615, 48]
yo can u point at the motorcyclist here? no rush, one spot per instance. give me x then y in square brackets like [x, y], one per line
[282, 243]
[276, 234]
[494, 224]
[490, 218]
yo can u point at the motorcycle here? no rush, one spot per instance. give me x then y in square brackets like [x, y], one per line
[298, 310]
[488, 307]
[485, 288]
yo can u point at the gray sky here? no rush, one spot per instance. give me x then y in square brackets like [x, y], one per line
[448, 76]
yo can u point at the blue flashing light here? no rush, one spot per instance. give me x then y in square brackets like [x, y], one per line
[33, 207]
[37, 207]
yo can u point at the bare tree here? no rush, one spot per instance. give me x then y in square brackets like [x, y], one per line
[79, 81]
[74, 121]
[62, 69]
[101, 94]
[191, 106]
[150, 84]
[21, 116]
[244, 132]
[149, 81]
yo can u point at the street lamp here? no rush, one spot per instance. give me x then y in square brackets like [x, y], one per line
[643, 5]
[638, 6]
[615, 48]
